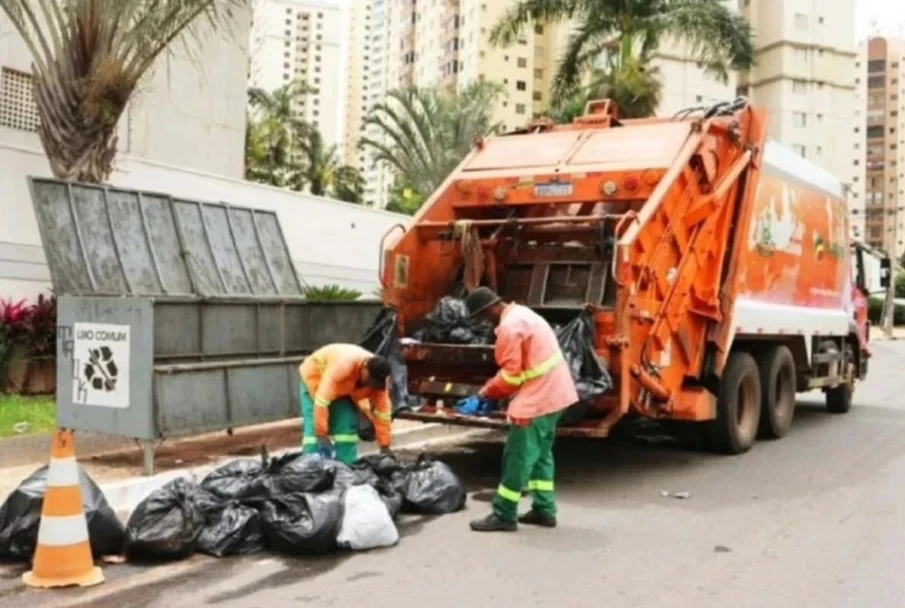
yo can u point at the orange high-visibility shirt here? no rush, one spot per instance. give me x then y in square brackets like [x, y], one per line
[333, 372]
[531, 365]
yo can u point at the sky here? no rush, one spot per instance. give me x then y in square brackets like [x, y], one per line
[889, 16]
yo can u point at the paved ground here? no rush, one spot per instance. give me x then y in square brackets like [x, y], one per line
[817, 519]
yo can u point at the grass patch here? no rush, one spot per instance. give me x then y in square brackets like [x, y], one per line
[39, 412]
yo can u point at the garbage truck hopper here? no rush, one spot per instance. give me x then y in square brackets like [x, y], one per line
[714, 266]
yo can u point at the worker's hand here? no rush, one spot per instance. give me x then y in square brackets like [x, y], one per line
[325, 447]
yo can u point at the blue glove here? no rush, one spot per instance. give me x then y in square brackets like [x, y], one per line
[470, 405]
[325, 448]
[475, 405]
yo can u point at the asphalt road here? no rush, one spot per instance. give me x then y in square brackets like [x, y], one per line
[816, 519]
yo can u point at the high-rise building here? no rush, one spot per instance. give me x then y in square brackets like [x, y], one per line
[878, 167]
[358, 79]
[804, 76]
[308, 41]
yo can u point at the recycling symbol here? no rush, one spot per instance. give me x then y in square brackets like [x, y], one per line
[101, 370]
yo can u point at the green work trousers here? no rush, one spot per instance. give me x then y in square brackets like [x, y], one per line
[343, 427]
[528, 465]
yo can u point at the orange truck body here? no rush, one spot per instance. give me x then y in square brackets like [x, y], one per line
[690, 240]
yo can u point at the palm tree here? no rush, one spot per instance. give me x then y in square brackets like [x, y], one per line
[321, 170]
[273, 125]
[632, 31]
[88, 58]
[424, 133]
[634, 87]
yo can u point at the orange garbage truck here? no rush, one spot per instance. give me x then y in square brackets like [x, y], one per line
[716, 266]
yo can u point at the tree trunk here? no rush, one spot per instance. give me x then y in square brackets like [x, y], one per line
[79, 138]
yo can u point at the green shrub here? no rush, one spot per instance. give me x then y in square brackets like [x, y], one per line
[331, 293]
[875, 313]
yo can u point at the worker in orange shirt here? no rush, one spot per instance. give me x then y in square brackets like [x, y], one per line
[336, 382]
[533, 369]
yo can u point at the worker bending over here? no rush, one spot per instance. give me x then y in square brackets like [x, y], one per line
[533, 368]
[337, 381]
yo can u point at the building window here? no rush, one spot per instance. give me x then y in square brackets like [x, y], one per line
[538, 96]
[538, 74]
[801, 21]
[799, 86]
[520, 108]
[800, 119]
[799, 150]
[17, 105]
[521, 85]
[538, 29]
[522, 62]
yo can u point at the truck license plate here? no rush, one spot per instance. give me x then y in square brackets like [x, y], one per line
[553, 189]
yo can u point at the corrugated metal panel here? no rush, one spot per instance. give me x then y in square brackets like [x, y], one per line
[101, 240]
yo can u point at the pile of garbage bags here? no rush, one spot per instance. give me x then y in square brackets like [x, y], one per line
[299, 504]
[449, 323]
[296, 504]
[20, 517]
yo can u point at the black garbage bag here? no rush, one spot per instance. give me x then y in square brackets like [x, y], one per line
[591, 376]
[430, 487]
[449, 323]
[234, 529]
[390, 496]
[241, 480]
[303, 524]
[167, 524]
[297, 472]
[20, 517]
[382, 465]
[345, 476]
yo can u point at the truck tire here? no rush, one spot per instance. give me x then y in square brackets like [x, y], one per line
[839, 399]
[777, 389]
[738, 406]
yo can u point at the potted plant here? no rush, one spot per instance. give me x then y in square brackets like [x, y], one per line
[28, 346]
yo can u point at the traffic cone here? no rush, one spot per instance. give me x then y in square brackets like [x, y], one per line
[63, 556]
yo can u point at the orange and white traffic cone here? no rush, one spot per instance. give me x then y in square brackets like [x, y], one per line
[63, 556]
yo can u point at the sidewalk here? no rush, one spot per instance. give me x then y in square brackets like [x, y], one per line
[115, 464]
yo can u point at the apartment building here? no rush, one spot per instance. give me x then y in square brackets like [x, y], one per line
[878, 166]
[376, 62]
[805, 76]
[306, 40]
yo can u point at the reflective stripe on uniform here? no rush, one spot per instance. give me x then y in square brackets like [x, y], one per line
[345, 438]
[319, 402]
[510, 495]
[535, 372]
[309, 440]
[540, 485]
[382, 416]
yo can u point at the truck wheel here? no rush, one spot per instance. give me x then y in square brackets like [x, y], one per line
[839, 399]
[738, 406]
[777, 388]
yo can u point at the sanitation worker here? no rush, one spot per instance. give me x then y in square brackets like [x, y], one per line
[533, 369]
[337, 381]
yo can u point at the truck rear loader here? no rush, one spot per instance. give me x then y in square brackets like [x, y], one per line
[716, 264]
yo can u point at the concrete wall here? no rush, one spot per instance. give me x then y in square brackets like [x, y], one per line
[330, 241]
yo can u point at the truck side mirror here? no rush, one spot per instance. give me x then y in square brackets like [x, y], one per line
[885, 272]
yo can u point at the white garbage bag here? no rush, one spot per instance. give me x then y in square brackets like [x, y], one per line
[366, 522]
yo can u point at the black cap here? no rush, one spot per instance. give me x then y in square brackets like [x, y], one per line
[378, 372]
[480, 300]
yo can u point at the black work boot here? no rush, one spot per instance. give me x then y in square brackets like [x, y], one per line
[533, 518]
[492, 523]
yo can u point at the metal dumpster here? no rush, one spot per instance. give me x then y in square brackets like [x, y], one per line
[176, 317]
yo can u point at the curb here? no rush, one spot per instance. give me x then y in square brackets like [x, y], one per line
[123, 496]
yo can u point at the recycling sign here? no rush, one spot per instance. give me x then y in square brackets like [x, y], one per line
[100, 370]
